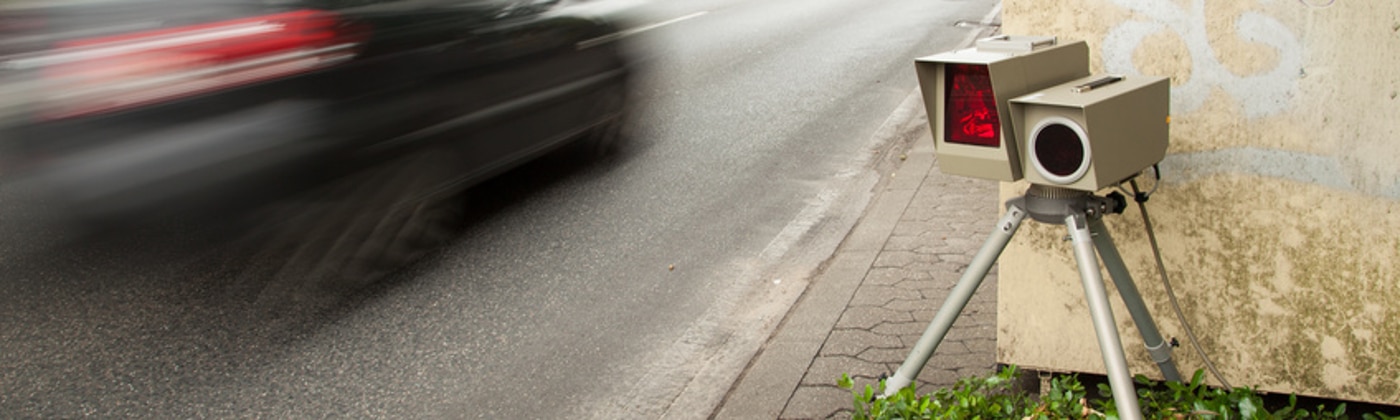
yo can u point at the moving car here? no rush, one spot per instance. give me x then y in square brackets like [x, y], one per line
[125, 109]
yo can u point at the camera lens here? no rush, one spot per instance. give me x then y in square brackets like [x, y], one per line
[1059, 150]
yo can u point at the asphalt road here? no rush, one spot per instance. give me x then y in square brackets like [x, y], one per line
[636, 286]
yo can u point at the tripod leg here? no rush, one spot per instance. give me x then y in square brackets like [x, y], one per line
[957, 299]
[1151, 337]
[1124, 395]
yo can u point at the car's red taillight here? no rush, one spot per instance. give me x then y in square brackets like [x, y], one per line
[970, 112]
[109, 73]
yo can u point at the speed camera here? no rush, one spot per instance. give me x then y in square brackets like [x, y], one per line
[1093, 132]
[1027, 107]
[966, 94]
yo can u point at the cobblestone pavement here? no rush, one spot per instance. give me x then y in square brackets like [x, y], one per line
[864, 312]
[931, 244]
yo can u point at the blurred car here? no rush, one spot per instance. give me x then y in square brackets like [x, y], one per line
[122, 109]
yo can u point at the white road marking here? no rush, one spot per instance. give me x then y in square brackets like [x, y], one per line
[589, 43]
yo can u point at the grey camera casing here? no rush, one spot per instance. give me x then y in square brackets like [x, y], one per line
[1122, 126]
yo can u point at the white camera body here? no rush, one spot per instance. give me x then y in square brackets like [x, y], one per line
[1017, 107]
[1093, 132]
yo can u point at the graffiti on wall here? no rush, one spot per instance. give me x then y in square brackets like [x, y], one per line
[1269, 91]
[1261, 94]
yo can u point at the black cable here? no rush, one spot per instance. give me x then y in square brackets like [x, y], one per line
[1141, 200]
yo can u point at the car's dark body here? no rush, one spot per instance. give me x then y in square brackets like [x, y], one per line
[499, 82]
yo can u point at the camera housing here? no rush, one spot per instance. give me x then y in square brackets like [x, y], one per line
[966, 94]
[1092, 132]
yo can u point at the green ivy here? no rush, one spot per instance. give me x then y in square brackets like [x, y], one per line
[992, 397]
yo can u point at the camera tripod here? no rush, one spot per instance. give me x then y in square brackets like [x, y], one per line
[1082, 213]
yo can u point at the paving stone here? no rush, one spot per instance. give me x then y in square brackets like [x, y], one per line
[981, 303]
[927, 314]
[898, 259]
[946, 346]
[938, 276]
[977, 320]
[935, 248]
[964, 360]
[921, 286]
[951, 348]
[931, 251]
[870, 295]
[929, 202]
[826, 370]
[891, 354]
[922, 213]
[958, 268]
[987, 345]
[908, 306]
[961, 259]
[888, 276]
[963, 332]
[817, 402]
[851, 342]
[901, 328]
[867, 317]
[937, 271]
[904, 243]
[913, 228]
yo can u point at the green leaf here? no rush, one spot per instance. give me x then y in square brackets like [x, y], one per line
[1197, 380]
[1247, 408]
[1200, 406]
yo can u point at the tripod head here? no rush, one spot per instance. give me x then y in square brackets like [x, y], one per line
[1050, 204]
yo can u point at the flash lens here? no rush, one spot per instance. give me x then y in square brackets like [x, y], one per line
[971, 108]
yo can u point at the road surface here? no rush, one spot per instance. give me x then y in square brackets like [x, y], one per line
[637, 286]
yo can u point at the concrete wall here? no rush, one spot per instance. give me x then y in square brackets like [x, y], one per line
[1280, 216]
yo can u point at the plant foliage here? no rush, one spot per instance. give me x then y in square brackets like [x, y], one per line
[992, 397]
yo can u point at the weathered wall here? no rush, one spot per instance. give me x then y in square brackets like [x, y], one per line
[1280, 216]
